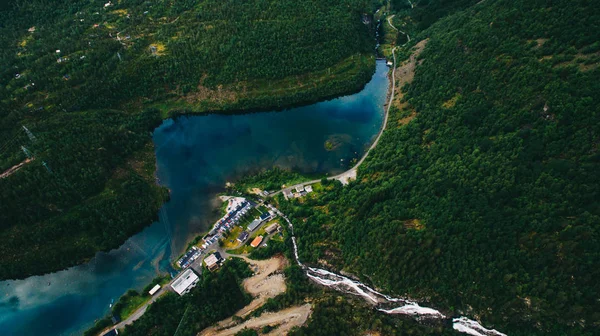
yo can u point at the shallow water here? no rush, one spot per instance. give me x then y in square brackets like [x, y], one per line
[195, 157]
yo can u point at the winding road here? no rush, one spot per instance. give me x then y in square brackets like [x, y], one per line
[346, 176]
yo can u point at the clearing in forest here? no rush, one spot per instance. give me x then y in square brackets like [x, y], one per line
[283, 321]
[405, 74]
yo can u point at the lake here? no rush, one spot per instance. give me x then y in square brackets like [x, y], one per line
[196, 156]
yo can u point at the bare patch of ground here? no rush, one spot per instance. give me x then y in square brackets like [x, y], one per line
[267, 282]
[254, 191]
[450, 103]
[414, 224]
[405, 120]
[285, 319]
[14, 168]
[405, 74]
[217, 95]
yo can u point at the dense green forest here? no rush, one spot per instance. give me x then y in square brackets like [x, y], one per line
[486, 203]
[91, 79]
[217, 296]
[337, 315]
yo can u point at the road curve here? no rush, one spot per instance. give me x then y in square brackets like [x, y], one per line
[351, 173]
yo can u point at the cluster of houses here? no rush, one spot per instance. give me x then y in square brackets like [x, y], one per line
[188, 279]
[253, 226]
[298, 191]
[236, 209]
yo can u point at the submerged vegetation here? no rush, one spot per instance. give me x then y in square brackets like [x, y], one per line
[91, 79]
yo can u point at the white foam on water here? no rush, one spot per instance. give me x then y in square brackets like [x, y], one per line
[415, 310]
[467, 326]
[347, 285]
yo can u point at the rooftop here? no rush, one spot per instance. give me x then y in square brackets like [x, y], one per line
[154, 290]
[255, 223]
[256, 241]
[211, 260]
[184, 282]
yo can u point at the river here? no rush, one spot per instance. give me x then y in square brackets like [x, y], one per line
[400, 306]
[196, 155]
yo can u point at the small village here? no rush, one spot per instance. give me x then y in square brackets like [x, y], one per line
[244, 227]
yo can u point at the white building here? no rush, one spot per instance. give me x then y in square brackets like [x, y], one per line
[154, 290]
[184, 282]
[308, 189]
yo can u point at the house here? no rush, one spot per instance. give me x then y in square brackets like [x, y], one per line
[256, 241]
[255, 223]
[243, 236]
[185, 282]
[266, 216]
[299, 188]
[308, 189]
[154, 290]
[287, 194]
[212, 261]
[272, 228]
[390, 64]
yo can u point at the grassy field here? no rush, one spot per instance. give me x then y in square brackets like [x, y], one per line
[132, 300]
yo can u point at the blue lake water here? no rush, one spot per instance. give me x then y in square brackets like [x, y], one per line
[196, 155]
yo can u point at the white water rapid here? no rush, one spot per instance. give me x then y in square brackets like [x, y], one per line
[407, 307]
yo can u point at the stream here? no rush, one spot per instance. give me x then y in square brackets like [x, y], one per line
[404, 306]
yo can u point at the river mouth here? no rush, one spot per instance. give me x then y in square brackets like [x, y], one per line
[196, 155]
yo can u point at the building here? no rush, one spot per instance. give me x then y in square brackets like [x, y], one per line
[154, 289]
[308, 189]
[243, 236]
[185, 282]
[212, 261]
[256, 241]
[272, 228]
[287, 194]
[266, 216]
[255, 223]
[299, 188]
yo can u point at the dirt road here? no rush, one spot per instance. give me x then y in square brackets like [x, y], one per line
[267, 282]
[285, 320]
[14, 168]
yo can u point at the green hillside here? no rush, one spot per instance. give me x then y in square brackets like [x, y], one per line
[91, 79]
[486, 203]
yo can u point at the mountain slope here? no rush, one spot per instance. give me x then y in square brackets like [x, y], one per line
[486, 203]
[91, 79]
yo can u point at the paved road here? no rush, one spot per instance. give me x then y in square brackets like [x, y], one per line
[346, 176]
[140, 311]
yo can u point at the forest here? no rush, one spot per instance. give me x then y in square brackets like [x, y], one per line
[90, 80]
[216, 297]
[486, 203]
